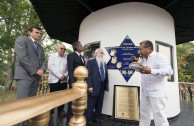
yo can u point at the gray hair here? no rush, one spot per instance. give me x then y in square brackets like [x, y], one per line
[60, 45]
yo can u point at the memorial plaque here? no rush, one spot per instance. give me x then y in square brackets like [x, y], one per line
[126, 103]
[121, 57]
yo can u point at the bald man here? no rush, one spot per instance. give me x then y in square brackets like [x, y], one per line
[153, 86]
[58, 73]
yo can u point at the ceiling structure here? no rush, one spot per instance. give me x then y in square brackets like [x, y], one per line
[62, 18]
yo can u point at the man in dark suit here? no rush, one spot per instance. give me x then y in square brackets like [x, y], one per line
[30, 63]
[74, 60]
[97, 83]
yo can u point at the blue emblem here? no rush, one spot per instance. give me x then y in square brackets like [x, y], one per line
[121, 57]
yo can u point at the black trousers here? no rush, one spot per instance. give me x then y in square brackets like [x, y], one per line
[69, 111]
[58, 87]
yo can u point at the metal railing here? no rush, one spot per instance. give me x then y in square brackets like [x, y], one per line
[37, 108]
[184, 92]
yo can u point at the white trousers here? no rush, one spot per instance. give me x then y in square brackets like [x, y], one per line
[155, 106]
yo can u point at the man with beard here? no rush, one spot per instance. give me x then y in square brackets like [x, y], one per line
[97, 83]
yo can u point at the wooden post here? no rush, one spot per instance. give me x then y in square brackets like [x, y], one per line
[40, 120]
[79, 105]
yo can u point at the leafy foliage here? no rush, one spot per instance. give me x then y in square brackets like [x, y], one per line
[185, 58]
[15, 16]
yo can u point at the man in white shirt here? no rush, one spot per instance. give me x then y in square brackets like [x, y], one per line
[153, 86]
[58, 73]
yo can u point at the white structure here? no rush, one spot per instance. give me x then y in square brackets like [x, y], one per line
[140, 21]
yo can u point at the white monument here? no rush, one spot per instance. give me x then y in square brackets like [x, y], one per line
[136, 22]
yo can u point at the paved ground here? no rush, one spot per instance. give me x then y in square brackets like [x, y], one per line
[185, 118]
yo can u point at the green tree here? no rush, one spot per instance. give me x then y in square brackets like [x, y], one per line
[190, 67]
[185, 53]
[15, 16]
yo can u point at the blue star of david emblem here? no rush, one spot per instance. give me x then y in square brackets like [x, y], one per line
[121, 57]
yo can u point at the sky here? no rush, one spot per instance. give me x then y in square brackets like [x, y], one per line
[47, 41]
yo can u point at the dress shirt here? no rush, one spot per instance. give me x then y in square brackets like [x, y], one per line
[57, 67]
[154, 84]
[33, 40]
[79, 54]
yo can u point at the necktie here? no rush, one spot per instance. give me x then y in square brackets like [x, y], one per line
[36, 45]
[81, 58]
[102, 72]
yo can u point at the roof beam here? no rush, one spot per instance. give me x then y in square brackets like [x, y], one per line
[191, 22]
[85, 5]
[170, 4]
[184, 29]
[72, 32]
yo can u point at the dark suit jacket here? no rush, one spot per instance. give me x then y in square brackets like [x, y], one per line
[73, 61]
[28, 59]
[94, 79]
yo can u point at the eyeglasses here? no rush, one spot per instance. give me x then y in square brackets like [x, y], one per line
[63, 49]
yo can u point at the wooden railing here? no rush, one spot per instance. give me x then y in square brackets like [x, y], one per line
[7, 94]
[43, 86]
[37, 108]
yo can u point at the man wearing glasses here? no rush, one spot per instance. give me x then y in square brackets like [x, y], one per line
[97, 83]
[58, 73]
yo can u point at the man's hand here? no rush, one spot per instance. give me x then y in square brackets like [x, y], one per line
[40, 72]
[90, 90]
[145, 70]
[134, 58]
[62, 78]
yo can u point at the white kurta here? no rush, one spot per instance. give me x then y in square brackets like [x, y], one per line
[153, 90]
[154, 84]
[57, 67]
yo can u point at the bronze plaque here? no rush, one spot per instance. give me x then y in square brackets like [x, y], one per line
[126, 103]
